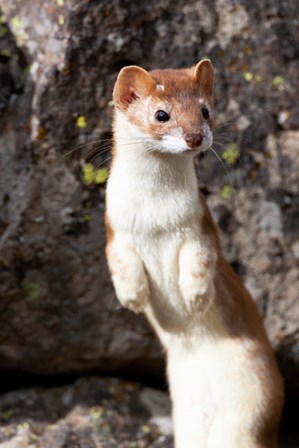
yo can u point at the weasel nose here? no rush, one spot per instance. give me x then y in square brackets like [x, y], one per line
[194, 140]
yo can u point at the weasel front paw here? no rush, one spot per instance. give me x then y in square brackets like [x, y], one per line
[197, 264]
[198, 293]
[134, 299]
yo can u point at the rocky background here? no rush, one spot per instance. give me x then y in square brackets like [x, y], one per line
[58, 314]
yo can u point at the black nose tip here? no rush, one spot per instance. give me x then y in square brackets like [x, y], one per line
[194, 140]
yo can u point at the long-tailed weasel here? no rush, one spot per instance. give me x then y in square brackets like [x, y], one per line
[165, 259]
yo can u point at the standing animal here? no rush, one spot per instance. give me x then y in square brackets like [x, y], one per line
[166, 261]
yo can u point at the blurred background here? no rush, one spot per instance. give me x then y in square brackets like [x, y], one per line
[76, 369]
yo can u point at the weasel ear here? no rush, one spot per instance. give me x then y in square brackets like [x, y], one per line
[132, 83]
[204, 74]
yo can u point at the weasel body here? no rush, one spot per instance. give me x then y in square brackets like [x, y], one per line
[165, 259]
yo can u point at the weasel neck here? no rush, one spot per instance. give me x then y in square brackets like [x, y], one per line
[152, 192]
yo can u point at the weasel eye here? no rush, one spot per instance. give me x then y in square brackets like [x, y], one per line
[162, 116]
[205, 112]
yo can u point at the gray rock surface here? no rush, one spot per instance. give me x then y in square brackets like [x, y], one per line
[58, 312]
[90, 413]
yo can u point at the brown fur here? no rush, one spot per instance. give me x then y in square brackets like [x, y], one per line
[237, 309]
[177, 97]
[241, 317]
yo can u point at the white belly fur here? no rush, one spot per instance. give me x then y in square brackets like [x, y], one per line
[156, 217]
[211, 380]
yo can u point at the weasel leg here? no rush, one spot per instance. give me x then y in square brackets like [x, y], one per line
[128, 276]
[218, 403]
[192, 405]
[196, 276]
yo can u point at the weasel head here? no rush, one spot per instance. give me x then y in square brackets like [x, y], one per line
[169, 111]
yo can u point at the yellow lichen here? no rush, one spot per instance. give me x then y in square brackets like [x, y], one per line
[96, 412]
[61, 19]
[81, 122]
[94, 176]
[101, 175]
[86, 218]
[22, 427]
[145, 429]
[248, 76]
[278, 81]
[226, 191]
[16, 24]
[3, 28]
[32, 292]
[88, 173]
[231, 154]
[19, 30]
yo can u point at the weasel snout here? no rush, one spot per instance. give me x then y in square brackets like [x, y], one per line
[194, 140]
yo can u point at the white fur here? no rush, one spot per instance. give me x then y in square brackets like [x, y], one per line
[196, 280]
[176, 143]
[160, 88]
[142, 183]
[215, 396]
[154, 209]
[128, 275]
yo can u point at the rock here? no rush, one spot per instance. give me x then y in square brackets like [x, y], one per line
[58, 312]
[92, 412]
